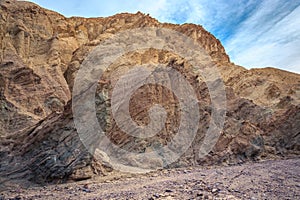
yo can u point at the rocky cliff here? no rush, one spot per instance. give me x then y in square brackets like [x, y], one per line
[40, 54]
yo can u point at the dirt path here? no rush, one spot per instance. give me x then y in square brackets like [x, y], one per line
[265, 180]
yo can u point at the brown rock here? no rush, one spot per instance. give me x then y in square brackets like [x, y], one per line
[41, 52]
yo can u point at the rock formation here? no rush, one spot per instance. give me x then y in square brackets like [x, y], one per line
[41, 52]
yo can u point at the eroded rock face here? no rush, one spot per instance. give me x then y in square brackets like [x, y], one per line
[282, 133]
[48, 151]
[41, 53]
[44, 45]
[31, 65]
[265, 87]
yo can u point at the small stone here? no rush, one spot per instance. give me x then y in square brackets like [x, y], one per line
[86, 190]
[168, 190]
[215, 190]
[17, 198]
[200, 195]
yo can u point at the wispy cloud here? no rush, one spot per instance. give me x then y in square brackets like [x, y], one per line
[269, 37]
[254, 33]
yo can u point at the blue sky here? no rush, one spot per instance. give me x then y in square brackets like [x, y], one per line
[255, 33]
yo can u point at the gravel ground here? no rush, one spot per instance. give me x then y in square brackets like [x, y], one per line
[264, 180]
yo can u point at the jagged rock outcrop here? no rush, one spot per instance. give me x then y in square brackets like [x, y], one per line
[48, 151]
[266, 87]
[41, 52]
[43, 42]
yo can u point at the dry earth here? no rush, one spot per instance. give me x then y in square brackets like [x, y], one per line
[264, 180]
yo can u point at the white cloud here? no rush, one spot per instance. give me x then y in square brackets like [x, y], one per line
[268, 38]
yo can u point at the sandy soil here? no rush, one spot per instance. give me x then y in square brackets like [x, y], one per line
[264, 180]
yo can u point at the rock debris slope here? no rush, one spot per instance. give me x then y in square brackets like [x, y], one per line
[41, 52]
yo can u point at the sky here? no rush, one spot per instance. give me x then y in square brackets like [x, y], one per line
[255, 33]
